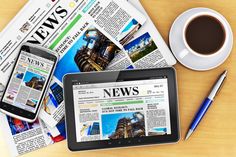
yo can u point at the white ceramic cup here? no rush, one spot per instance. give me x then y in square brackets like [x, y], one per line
[188, 50]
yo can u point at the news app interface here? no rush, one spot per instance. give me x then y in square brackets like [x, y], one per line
[120, 110]
[28, 81]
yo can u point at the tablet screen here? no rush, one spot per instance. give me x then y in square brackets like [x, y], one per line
[119, 110]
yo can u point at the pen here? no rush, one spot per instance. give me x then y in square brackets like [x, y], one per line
[206, 104]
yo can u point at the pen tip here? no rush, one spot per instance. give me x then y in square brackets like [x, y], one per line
[188, 134]
[225, 72]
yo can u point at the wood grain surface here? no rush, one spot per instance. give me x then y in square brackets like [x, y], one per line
[215, 136]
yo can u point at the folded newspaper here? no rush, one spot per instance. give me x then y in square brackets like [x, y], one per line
[86, 34]
[123, 37]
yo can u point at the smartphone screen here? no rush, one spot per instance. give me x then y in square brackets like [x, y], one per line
[28, 81]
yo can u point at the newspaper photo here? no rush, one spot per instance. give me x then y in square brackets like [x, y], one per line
[86, 34]
[23, 137]
[147, 49]
[118, 110]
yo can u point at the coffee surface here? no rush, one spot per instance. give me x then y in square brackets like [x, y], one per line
[205, 35]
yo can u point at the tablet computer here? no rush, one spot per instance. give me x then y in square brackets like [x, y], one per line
[121, 108]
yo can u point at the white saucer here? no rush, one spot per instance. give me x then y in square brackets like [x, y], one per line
[190, 60]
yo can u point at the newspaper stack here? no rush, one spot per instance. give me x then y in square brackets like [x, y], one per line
[113, 34]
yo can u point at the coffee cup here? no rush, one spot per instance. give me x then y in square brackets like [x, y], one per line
[201, 38]
[209, 28]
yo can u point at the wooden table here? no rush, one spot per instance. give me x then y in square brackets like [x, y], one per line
[216, 136]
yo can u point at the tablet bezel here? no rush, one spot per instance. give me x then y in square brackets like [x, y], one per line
[114, 76]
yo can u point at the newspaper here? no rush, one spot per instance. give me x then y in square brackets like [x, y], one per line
[87, 34]
[147, 49]
[120, 110]
[23, 137]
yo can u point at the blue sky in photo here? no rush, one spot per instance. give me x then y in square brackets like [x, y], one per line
[67, 63]
[109, 122]
[130, 25]
[30, 75]
[137, 41]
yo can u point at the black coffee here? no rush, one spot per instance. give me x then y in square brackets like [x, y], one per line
[205, 35]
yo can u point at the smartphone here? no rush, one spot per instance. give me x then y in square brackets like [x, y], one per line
[28, 83]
